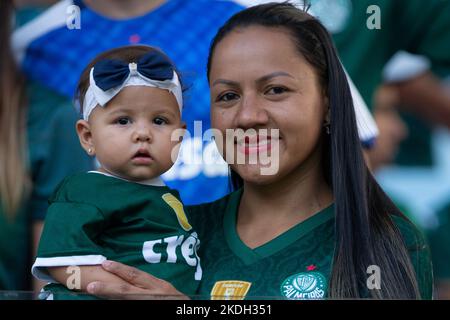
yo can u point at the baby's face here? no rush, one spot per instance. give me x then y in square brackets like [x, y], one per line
[131, 135]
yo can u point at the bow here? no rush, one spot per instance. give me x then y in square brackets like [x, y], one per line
[108, 77]
[112, 73]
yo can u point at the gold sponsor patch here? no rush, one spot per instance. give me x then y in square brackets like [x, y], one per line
[230, 290]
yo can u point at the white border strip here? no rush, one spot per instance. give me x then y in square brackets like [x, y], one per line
[52, 18]
[38, 270]
[157, 182]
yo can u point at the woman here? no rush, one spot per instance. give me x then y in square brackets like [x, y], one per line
[37, 150]
[14, 179]
[320, 226]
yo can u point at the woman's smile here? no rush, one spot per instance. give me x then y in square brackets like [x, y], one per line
[255, 144]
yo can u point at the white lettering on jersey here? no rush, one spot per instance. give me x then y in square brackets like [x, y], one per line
[149, 254]
[172, 244]
[169, 245]
[187, 250]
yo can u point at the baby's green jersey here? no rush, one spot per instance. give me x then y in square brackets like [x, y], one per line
[294, 265]
[93, 217]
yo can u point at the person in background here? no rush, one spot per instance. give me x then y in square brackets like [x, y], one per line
[368, 33]
[389, 101]
[36, 153]
[392, 129]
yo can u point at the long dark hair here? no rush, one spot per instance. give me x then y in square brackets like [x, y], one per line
[364, 230]
[15, 182]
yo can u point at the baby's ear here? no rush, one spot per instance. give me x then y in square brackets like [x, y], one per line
[85, 135]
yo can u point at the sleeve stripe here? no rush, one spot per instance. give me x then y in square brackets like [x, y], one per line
[53, 18]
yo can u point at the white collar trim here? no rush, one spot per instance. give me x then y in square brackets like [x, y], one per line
[157, 182]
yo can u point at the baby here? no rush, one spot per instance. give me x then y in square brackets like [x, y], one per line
[131, 102]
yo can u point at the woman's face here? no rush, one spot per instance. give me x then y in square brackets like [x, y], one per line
[259, 80]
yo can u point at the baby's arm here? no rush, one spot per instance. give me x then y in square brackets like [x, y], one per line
[88, 274]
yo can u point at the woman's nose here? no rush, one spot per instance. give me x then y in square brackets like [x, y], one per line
[251, 113]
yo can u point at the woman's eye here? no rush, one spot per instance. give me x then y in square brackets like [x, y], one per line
[227, 97]
[123, 121]
[276, 90]
[159, 121]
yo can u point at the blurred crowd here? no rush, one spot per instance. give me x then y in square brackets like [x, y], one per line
[401, 66]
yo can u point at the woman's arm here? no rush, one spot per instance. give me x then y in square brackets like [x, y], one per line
[135, 284]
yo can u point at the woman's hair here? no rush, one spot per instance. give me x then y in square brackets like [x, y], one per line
[364, 230]
[14, 179]
[126, 54]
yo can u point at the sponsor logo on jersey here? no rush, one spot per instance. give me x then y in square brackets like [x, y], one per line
[168, 250]
[304, 286]
[230, 290]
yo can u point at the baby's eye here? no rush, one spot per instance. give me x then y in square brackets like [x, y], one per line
[227, 96]
[276, 90]
[160, 121]
[123, 121]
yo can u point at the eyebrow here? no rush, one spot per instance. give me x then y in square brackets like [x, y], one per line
[160, 110]
[121, 110]
[262, 79]
[274, 75]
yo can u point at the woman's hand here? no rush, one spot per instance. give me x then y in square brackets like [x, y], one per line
[138, 285]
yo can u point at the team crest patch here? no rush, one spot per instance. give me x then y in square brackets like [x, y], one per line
[304, 286]
[230, 290]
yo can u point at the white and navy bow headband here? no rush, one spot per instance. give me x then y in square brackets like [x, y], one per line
[108, 77]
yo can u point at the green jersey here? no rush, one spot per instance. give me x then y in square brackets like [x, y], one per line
[294, 265]
[93, 217]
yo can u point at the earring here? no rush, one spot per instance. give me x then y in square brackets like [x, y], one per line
[327, 127]
[90, 151]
